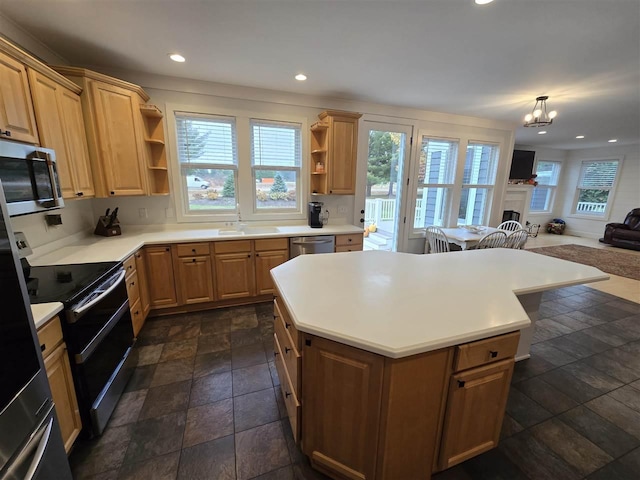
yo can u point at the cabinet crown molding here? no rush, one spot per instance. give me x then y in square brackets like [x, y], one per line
[84, 72]
[338, 113]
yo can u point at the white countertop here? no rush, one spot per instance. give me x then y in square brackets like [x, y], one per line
[104, 249]
[399, 304]
[42, 312]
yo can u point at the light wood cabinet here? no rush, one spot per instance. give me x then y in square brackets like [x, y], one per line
[349, 243]
[162, 287]
[194, 275]
[141, 269]
[115, 132]
[56, 363]
[265, 261]
[475, 409]
[158, 172]
[59, 116]
[17, 119]
[135, 290]
[334, 142]
[234, 275]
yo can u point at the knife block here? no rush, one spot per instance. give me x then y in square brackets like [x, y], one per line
[107, 228]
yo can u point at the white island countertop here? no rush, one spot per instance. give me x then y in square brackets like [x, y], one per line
[399, 304]
[94, 248]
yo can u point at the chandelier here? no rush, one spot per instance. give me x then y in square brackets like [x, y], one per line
[539, 116]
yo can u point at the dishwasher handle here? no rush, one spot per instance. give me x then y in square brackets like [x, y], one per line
[313, 242]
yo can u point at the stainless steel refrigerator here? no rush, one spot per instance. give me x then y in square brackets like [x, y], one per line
[30, 440]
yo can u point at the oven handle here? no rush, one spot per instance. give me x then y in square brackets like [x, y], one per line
[104, 331]
[78, 311]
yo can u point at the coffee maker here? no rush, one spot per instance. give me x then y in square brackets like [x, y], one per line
[315, 214]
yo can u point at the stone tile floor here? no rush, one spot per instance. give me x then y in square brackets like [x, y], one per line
[204, 402]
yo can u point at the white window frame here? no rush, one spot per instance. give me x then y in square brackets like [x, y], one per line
[612, 190]
[298, 169]
[489, 187]
[245, 182]
[551, 188]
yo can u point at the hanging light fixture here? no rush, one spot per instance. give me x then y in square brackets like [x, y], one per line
[539, 116]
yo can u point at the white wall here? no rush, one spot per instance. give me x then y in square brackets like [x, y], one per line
[626, 196]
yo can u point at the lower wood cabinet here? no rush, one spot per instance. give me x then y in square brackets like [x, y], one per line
[234, 275]
[269, 254]
[141, 268]
[195, 279]
[56, 363]
[162, 286]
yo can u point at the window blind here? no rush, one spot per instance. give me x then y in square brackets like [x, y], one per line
[599, 174]
[209, 141]
[547, 173]
[275, 144]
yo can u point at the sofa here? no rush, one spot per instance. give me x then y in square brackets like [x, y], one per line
[626, 234]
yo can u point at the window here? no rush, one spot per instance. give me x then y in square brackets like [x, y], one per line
[547, 177]
[208, 159]
[276, 158]
[435, 180]
[477, 183]
[595, 185]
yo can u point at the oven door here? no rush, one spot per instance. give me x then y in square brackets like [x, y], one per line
[101, 341]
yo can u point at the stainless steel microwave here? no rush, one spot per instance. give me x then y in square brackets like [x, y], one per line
[29, 178]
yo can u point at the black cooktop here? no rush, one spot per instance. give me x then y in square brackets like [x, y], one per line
[65, 283]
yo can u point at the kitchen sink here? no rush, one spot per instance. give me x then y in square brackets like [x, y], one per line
[248, 231]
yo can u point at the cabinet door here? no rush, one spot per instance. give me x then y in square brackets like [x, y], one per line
[162, 288]
[16, 108]
[341, 395]
[265, 261]
[475, 409]
[195, 279]
[64, 394]
[234, 275]
[343, 137]
[76, 137]
[117, 114]
[141, 269]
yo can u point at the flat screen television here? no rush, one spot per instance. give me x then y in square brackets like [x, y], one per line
[522, 165]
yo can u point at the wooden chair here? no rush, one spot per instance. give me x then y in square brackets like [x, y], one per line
[493, 240]
[436, 241]
[510, 226]
[517, 239]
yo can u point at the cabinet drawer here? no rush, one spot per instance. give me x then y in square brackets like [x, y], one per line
[353, 239]
[265, 244]
[485, 351]
[191, 249]
[232, 247]
[133, 289]
[289, 353]
[50, 336]
[281, 312]
[137, 317]
[349, 248]
[290, 399]
[130, 265]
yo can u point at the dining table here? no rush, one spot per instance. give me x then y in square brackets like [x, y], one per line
[466, 237]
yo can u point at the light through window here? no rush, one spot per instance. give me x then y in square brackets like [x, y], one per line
[208, 158]
[547, 177]
[276, 158]
[477, 183]
[436, 170]
[597, 179]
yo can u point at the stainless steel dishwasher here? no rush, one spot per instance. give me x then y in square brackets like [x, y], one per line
[306, 245]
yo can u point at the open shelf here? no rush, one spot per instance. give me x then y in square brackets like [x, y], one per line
[158, 172]
[151, 111]
[157, 168]
[319, 126]
[154, 141]
[318, 173]
[320, 150]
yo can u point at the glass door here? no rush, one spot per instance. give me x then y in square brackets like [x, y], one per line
[388, 149]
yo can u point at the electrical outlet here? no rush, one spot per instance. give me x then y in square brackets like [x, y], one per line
[142, 212]
[342, 210]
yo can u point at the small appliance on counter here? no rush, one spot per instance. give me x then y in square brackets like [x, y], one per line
[108, 225]
[316, 218]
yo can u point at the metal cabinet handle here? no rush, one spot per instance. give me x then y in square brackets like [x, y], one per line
[167, 249]
[275, 354]
[286, 325]
[287, 394]
[461, 383]
[193, 250]
[132, 283]
[493, 353]
[287, 349]
[193, 260]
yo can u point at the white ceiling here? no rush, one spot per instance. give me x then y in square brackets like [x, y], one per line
[440, 55]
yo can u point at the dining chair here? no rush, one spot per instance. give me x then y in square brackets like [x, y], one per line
[517, 239]
[493, 240]
[436, 241]
[510, 226]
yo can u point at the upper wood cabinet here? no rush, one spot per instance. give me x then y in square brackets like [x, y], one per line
[334, 141]
[59, 116]
[115, 132]
[17, 120]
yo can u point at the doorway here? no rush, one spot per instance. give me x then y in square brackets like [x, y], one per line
[381, 201]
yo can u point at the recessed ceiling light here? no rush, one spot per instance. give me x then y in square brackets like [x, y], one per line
[483, 2]
[301, 77]
[579, 136]
[543, 132]
[613, 140]
[176, 57]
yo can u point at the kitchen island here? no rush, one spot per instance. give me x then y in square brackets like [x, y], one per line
[396, 365]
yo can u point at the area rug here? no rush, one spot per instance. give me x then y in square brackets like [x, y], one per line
[617, 262]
